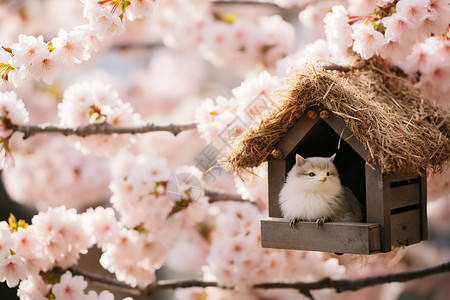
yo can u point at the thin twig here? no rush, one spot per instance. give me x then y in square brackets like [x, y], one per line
[104, 128]
[215, 196]
[104, 281]
[305, 288]
[335, 67]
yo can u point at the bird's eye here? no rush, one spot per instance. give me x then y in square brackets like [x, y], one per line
[328, 173]
[312, 174]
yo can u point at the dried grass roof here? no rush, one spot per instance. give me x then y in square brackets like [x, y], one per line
[403, 132]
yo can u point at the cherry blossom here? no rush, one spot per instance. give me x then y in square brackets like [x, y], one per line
[53, 172]
[90, 103]
[224, 119]
[12, 270]
[69, 287]
[70, 47]
[6, 241]
[27, 50]
[12, 111]
[139, 9]
[338, 31]
[429, 58]
[33, 288]
[367, 41]
[102, 224]
[208, 62]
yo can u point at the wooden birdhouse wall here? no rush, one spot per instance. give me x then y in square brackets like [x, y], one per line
[398, 203]
[395, 204]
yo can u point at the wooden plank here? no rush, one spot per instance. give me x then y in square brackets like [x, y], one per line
[393, 177]
[277, 178]
[355, 238]
[338, 124]
[296, 133]
[377, 204]
[406, 228]
[405, 195]
[423, 210]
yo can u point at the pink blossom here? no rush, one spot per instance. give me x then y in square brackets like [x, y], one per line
[277, 39]
[244, 34]
[317, 51]
[12, 109]
[92, 43]
[133, 257]
[311, 18]
[368, 41]
[70, 287]
[216, 38]
[398, 28]
[6, 241]
[139, 9]
[400, 36]
[214, 118]
[338, 31]
[189, 252]
[102, 224]
[384, 3]
[27, 50]
[33, 288]
[104, 295]
[103, 22]
[46, 67]
[70, 47]
[61, 236]
[394, 51]
[6, 159]
[55, 173]
[139, 189]
[17, 76]
[412, 10]
[436, 20]
[12, 269]
[94, 102]
[25, 242]
[255, 85]
[361, 7]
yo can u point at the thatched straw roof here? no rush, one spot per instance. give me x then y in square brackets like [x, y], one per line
[402, 131]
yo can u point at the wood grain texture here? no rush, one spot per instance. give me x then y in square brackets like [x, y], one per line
[405, 195]
[378, 204]
[406, 228]
[423, 208]
[295, 134]
[393, 177]
[355, 238]
[277, 178]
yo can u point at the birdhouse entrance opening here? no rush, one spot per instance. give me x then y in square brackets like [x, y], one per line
[323, 141]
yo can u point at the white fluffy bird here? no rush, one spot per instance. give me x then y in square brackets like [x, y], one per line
[314, 193]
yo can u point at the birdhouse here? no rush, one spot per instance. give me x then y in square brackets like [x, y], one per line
[386, 137]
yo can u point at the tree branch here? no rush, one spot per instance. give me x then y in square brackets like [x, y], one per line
[343, 285]
[215, 196]
[104, 281]
[305, 288]
[104, 128]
